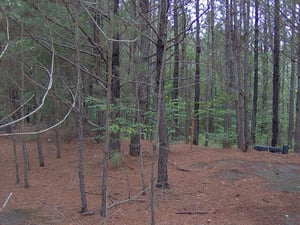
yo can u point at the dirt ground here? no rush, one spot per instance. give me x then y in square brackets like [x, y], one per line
[207, 186]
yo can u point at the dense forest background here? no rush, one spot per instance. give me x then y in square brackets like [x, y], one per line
[214, 73]
[229, 68]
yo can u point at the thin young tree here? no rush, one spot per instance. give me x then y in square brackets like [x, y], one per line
[115, 136]
[175, 90]
[183, 70]
[84, 208]
[38, 137]
[24, 148]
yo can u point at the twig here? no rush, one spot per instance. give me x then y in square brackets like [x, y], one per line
[128, 200]
[124, 201]
[192, 213]
[6, 201]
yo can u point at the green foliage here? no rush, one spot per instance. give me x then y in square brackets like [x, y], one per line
[116, 159]
[125, 124]
[175, 108]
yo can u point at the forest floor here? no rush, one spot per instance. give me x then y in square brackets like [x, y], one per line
[207, 186]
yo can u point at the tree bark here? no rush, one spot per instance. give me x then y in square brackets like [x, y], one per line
[24, 148]
[291, 109]
[230, 79]
[162, 176]
[38, 137]
[106, 152]
[276, 75]
[197, 78]
[143, 74]
[246, 73]
[255, 76]
[80, 114]
[175, 91]
[211, 71]
[297, 126]
[115, 97]
[265, 71]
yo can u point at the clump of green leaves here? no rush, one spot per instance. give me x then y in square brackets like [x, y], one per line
[116, 159]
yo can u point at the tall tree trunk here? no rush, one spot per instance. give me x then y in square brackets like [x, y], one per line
[100, 133]
[230, 80]
[246, 77]
[56, 113]
[210, 69]
[80, 114]
[297, 127]
[276, 74]
[197, 78]
[265, 70]
[16, 159]
[175, 91]
[24, 148]
[255, 76]
[115, 136]
[38, 139]
[162, 176]
[106, 152]
[143, 74]
[239, 100]
[292, 78]
[183, 71]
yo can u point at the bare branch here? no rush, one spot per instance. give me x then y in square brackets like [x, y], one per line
[7, 34]
[100, 29]
[6, 201]
[14, 112]
[50, 75]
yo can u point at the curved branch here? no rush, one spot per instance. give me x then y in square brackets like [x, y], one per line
[50, 75]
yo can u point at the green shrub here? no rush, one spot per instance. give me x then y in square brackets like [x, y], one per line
[116, 159]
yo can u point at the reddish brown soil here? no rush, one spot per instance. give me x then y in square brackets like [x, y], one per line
[207, 186]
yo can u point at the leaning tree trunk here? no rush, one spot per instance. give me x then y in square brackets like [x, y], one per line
[276, 74]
